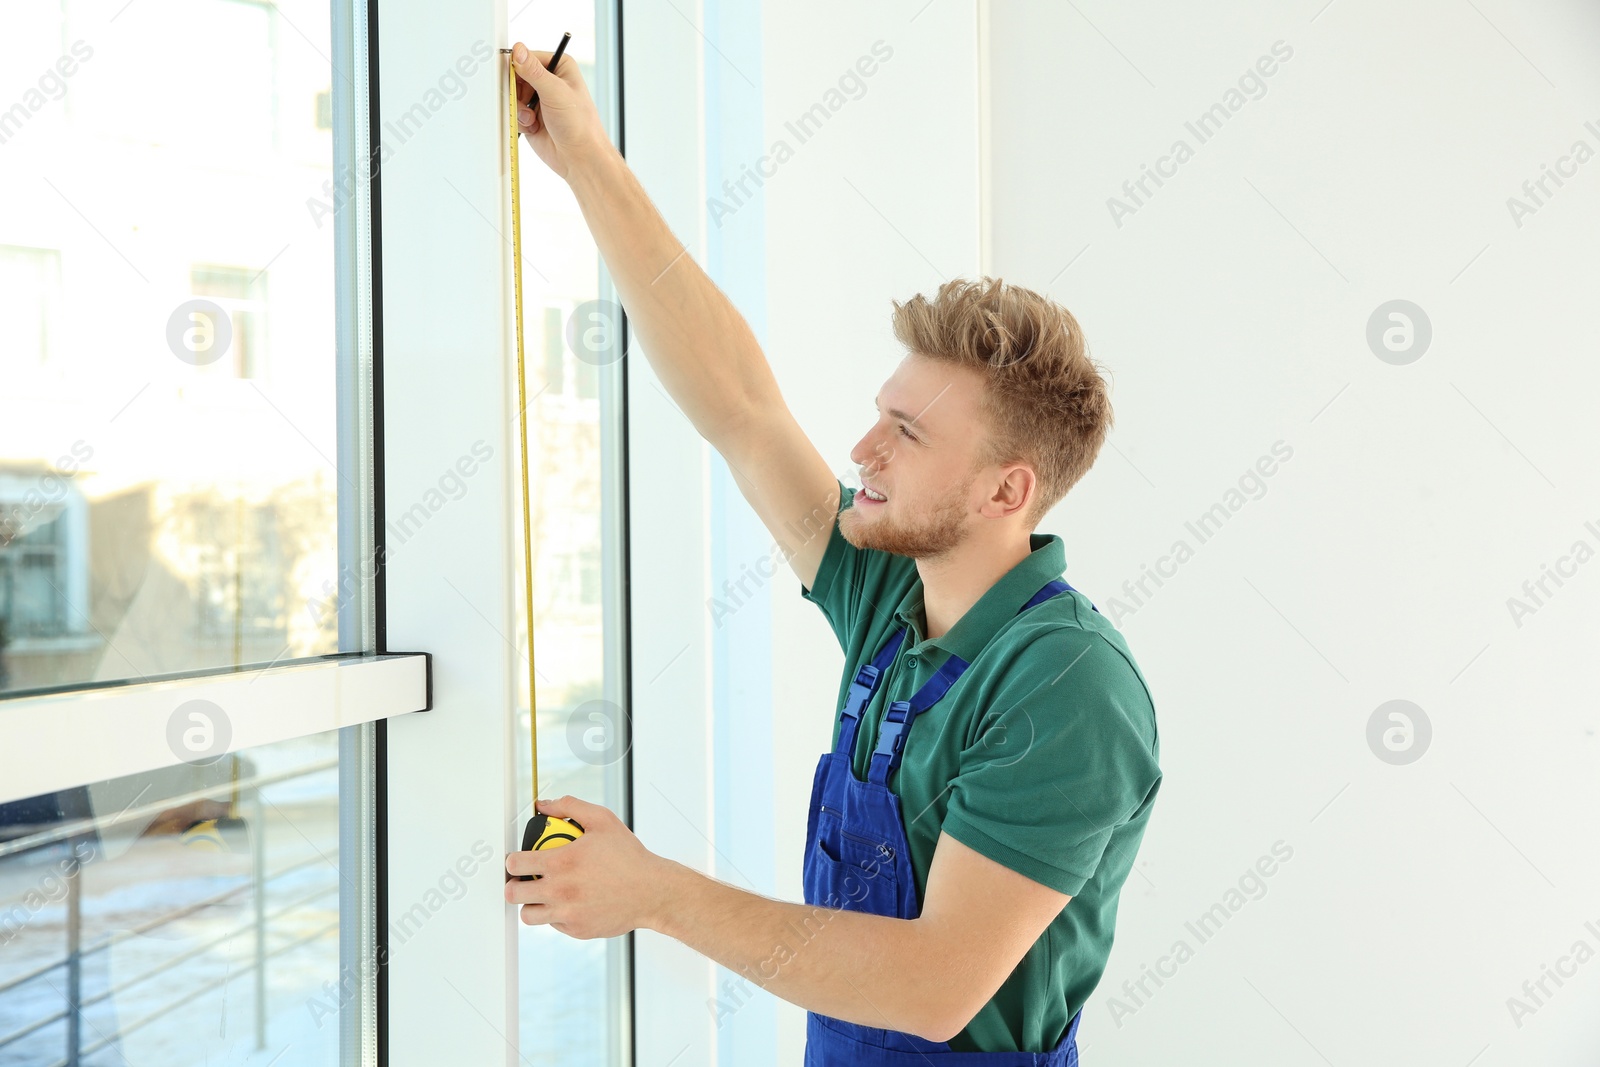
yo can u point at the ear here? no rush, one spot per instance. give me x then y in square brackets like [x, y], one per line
[1013, 494]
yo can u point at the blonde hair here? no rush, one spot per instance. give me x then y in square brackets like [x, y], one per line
[1045, 401]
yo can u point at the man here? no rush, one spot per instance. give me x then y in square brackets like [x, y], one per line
[995, 755]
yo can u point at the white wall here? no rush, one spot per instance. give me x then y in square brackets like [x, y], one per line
[1232, 308]
[1407, 501]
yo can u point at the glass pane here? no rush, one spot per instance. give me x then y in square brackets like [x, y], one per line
[167, 341]
[191, 915]
[570, 329]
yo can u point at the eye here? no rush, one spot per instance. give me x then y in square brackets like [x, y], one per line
[906, 433]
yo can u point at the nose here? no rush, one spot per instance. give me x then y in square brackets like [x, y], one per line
[870, 453]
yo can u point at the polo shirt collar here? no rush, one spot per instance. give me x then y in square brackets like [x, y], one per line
[1044, 563]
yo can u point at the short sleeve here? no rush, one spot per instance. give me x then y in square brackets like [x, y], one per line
[1065, 753]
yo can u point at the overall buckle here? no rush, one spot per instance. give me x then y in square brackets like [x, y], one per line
[892, 731]
[861, 690]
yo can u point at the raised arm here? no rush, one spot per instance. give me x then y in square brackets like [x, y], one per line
[700, 346]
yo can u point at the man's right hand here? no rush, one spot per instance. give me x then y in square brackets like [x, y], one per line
[565, 128]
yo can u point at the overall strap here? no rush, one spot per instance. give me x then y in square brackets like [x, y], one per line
[1052, 589]
[861, 690]
[897, 720]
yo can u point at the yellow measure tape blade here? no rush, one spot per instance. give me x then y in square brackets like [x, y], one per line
[522, 416]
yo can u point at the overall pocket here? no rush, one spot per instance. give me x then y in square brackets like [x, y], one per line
[851, 870]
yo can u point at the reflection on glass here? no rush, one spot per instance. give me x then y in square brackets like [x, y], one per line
[582, 738]
[184, 917]
[167, 391]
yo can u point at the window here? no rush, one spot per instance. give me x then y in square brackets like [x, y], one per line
[192, 462]
[188, 754]
[240, 567]
[30, 573]
[30, 305]
[583, 729]
[43, 569]
[555, 351]
[183, 916]
[201, 559]
[241, 294]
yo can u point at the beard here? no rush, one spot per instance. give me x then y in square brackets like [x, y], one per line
[924, 537]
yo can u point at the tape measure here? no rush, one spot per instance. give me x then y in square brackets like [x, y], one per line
[543, 831]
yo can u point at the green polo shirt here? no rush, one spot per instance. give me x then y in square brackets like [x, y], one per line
[1043, 756]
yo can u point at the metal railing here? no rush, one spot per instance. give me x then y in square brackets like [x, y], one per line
[77, 830]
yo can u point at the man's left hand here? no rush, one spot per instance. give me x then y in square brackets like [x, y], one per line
[604, 884]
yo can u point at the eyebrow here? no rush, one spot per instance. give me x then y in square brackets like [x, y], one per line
[902, 416]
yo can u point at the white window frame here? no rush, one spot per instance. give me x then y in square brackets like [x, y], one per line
[447, 339]
[451, 780]
[130, 720]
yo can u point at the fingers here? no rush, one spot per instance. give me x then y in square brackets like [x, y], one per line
[539, 863]
[530, 67]
[585, 813]
[526, 116]
[539, 899]
[536, 891]
[521, 863]
[531, 78]
[532, 912]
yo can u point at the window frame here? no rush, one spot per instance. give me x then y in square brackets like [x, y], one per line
[451, 991]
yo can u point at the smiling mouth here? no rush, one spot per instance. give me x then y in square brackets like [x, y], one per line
[870, 496]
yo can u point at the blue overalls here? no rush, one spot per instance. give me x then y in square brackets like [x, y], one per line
[857, 858]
